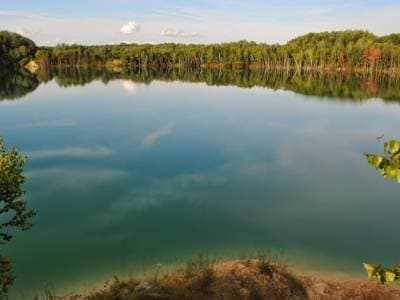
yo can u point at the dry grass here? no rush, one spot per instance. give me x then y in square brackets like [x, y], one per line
[241, 279]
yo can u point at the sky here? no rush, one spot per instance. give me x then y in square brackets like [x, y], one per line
[49, 22]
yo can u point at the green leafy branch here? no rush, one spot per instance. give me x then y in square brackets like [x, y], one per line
[383, 274]
[388, 164]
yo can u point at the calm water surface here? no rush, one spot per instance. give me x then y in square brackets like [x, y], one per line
[126, 175]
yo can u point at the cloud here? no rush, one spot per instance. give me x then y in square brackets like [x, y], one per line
[130, 28]
[150, 139]
[158, 192]
[25, 31]
[69, 152]
[74, 178]
[261, 22]
[179, 33]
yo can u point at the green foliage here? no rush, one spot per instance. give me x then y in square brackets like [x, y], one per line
[393, 38]
[388, 164]
[11, 181]
[15, 50]
[350, 49]
[14, 213]
[6, 277]
[384, 275]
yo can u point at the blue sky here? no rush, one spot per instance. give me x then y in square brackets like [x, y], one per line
[92, 22]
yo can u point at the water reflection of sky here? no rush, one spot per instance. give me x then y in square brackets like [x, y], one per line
[125, 176]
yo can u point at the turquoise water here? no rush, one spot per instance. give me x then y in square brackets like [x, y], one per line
[126, 175]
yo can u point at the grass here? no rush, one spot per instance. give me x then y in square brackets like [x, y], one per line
[249, 279]
[204, 279]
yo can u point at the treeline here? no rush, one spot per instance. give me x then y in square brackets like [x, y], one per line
[349, 50]
[15, 50]
[342, 50]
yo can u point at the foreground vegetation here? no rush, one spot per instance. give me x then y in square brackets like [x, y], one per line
[239, 279]
[14, 214]
[388, 166]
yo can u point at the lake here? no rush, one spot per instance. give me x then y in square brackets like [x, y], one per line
[129, 172]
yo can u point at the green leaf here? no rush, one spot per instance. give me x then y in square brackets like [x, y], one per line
[393, 147]
[390, 276]
[372, 270]
[388, 166]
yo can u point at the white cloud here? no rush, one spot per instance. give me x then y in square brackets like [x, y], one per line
[263, 24]
[25, 31]
[74, 178]
[179, 33]
[130, 28]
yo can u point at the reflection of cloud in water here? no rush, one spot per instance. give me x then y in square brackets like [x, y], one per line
[158, 192]
[69, 152]
[151, 138]
[181, 187]
[129, 86]
[316, 143]
[48, 124]
[74, 178]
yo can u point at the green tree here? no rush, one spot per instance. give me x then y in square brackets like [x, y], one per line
[15, 50]
[14, 214]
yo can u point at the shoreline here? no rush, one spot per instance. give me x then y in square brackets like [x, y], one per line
[238, 279]
[87, 285]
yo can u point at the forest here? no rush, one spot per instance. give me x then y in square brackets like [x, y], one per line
[349, 50]
[341, 50]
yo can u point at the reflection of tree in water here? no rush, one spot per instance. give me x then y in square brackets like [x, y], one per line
[334, 85]
[14, 85]
[388, 164]
[337, 86]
